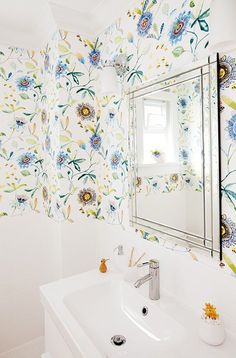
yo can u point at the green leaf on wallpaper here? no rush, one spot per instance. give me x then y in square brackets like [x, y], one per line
[30, 65]
[130, 57]
[178, 51]
[205, 14]
[63, 48]
[229, 102]
[76, 163]
[90, 44]
[31, 141]
[85, 91]
[25, 173]
[64, 139]
[3, 213]
[2, 71]
[138, 11]
[155, 28]
[135, 74]
[118, 39]
[115, 176]
[24, 96]
[75, 73]
[230, 193]
[203, 25]
[229, 262]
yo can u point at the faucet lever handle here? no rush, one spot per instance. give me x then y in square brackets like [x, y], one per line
[143, 264]
[153, 263]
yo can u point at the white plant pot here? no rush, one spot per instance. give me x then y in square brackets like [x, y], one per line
[160, 159]
[211, 332]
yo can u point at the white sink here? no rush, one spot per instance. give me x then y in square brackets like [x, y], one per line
[90, 308]
[115, 308]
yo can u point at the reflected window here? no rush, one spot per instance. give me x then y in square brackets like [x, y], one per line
[156, 130]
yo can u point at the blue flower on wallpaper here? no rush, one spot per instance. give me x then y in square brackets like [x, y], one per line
[26, 160]
[183, 102]
[20, 123]
[179, 27]
[25, 83]
[95, 141]
[94, 57]
[46, 62]
[111, 113]
[61, 69]
[228, 232]
[48, 143]
[21, 199]
[115, 159]
[155, 185]
[197, 87]
[82, 146]
[232, 127]
[227, 73]
[144, 23]
[183, 154]
[62, 159]
[112, 208]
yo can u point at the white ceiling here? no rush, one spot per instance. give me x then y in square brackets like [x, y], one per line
[84, 7]
[85, 17]
[32, 32]
[88, 17]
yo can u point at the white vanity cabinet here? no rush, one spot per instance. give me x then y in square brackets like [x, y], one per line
[55, 345]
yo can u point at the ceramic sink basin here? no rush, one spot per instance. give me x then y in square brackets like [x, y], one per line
[115, 308]
[90, 308]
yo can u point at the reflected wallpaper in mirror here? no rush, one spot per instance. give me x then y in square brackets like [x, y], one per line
[170, 169]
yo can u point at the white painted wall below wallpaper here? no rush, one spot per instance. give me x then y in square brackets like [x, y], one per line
[78, 248]
[30, 256]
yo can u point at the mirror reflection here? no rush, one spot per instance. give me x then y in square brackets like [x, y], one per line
[175, 155]
[169, 144]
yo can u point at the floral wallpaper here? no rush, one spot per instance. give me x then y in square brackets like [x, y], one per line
[160, 36]
[63, 147]
[28, 142]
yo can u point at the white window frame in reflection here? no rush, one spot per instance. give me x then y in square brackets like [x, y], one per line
[169, 129]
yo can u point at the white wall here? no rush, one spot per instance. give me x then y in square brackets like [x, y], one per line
[78, 246]
[30, 255]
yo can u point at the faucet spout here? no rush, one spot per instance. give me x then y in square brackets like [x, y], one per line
[142, 280]
[153, 278]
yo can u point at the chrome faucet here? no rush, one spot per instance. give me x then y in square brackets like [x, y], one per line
[153, 277]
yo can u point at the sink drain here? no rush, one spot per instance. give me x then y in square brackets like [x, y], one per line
[144, 311]
[118, 340]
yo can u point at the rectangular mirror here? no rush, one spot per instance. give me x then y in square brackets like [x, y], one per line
[175, 157]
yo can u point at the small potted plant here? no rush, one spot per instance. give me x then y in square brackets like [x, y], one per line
[157, 155]
[211, 329]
